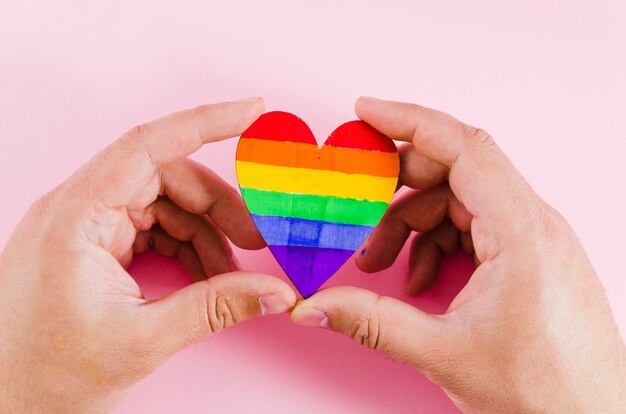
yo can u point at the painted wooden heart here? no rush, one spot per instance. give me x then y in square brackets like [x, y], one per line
[314, 207]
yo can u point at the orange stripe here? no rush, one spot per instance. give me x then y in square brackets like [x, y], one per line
[299, 155]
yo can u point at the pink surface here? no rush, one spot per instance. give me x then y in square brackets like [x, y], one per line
[547, 80]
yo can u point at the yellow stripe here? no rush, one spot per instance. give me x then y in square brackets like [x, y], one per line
[316, 182]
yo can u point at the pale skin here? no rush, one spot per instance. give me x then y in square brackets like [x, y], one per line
[77, 334]
[531, 332]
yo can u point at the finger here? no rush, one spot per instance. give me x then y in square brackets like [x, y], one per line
[418, 171]
[191, 262]
[163, 243]
[143, 242]
[481, 176]
[126, 259]
[207, 307]
[199, 190]
[212, 247]
[379, 322]
[427, 252]
[467, 243]
[166, 245]
[185, 252]
[126, 174]
[416, 211]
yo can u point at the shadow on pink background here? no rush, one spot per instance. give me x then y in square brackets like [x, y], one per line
[545, 79]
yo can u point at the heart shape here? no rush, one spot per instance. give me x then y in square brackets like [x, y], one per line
[314, 206]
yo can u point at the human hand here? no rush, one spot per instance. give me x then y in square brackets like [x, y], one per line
[532, 330]
[76, 333]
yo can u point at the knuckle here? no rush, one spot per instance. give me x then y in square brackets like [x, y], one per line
[419, 112]
[219, 313]
[366, 331]
[419, 109]
[135, 134]
[40, 208]
[213, 311]
[133, 141]
[480, 138]
[553, 228]
[366, 328]
[200, 110]
[394, 210]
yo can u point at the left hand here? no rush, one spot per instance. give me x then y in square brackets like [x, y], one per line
[76, 333]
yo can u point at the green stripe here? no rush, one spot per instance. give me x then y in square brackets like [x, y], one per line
[313, 207]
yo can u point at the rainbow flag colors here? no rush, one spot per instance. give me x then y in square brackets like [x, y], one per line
[314, 207]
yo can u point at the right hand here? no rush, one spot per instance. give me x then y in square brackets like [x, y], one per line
[532, 331]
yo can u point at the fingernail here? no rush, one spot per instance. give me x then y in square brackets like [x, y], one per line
[312, 318]
[274, 304]
[248, 100]
[369, 98]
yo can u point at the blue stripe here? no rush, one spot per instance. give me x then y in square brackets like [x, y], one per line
[289, 231]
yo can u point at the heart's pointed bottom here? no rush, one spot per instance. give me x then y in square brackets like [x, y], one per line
[309, 267]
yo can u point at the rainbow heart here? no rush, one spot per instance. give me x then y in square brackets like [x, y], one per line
[314, 207]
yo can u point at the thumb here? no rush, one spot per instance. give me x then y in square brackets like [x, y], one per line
[207, 307]
[391, 326]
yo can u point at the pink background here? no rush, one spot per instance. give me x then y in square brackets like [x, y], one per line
[547, 80]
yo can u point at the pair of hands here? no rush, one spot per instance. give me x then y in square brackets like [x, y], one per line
[532, 330]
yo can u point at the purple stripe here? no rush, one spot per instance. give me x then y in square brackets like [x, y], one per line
[309, 267]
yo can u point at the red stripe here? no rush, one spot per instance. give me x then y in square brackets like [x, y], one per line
[286, 127]
[280, 126]
[360, 135]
